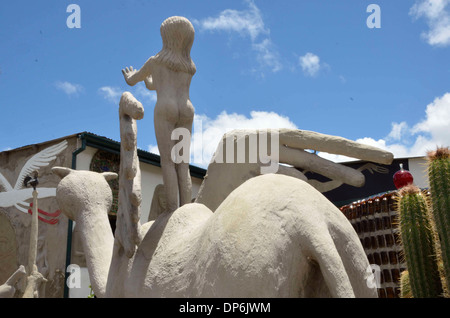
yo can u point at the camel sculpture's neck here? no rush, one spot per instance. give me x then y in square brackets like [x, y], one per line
[98, 242]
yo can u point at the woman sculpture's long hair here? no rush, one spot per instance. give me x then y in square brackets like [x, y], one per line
[178, 36]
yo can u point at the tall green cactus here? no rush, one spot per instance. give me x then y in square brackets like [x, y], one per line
[439, 177]
[418, 243]
[405, 287]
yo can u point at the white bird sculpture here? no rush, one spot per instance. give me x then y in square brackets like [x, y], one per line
[18, 195]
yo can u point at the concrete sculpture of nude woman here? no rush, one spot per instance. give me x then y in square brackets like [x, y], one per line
[169, 73]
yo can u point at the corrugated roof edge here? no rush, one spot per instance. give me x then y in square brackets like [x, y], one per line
[399, 158]
[107, 144]
[41, 143]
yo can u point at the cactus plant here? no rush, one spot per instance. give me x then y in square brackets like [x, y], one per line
[405, 287]
[418, 243]
[439, 177]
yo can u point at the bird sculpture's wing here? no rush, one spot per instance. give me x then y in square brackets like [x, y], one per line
[41, 159]
[4, 184]
[22, 206]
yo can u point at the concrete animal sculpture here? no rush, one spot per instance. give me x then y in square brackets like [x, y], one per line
[247, 235]
[273, 236]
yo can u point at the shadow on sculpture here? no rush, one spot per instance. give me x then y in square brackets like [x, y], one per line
[258, 228]
[158, 205]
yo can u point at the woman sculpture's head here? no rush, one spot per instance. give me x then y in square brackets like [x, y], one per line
[178, 36]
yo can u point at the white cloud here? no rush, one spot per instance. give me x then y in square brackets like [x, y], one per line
[111, 94]
[69, 88]
[437, 121]
[437, 16]
[208, 132]
[267, 55]
[153, 149]
[432, 131]
[310, 64]
[397, 131]
[247, 23]
[429, 133]
[145, 95]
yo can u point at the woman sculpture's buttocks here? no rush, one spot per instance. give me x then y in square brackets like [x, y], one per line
[173, 103]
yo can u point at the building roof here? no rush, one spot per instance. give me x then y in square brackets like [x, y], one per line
[396, 158]
[110, 145]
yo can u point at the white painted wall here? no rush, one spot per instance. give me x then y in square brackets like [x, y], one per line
[417, 167]
[84, 158]
[151, 176]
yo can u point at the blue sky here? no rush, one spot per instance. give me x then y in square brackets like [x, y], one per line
[312, 65]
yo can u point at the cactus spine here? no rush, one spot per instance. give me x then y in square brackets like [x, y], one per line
[439, 177]
[418, 244]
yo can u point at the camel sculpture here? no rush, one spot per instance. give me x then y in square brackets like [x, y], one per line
[272, 235]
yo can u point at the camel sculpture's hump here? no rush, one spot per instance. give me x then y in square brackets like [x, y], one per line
[274, 189]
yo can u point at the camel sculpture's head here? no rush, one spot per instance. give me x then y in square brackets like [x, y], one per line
[81, 190]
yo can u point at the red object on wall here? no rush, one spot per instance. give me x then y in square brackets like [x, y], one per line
[402, 178]
[53, 216]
